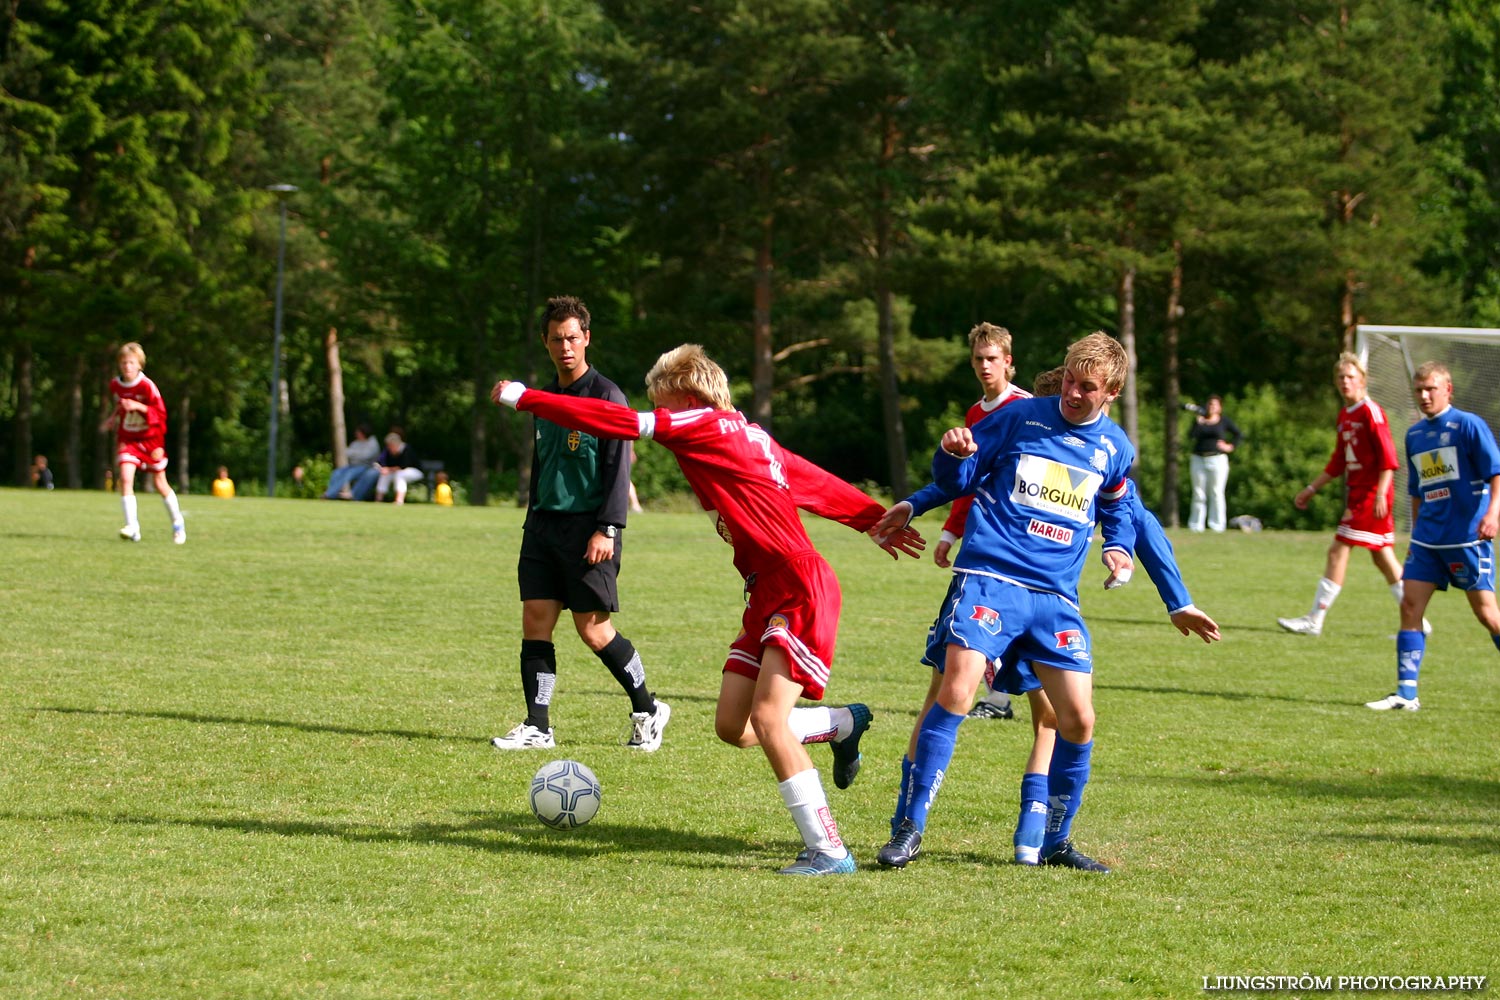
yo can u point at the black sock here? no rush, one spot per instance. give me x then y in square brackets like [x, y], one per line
[538, 677]
[625, 663]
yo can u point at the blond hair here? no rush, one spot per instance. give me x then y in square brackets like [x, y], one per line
[688, 371]
[1048, 383]
[1099, 355]
[990, 335]
[1429, 368]
[135, 349]
[1348, 359]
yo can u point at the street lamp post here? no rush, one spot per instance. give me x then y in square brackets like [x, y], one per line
[282, 191]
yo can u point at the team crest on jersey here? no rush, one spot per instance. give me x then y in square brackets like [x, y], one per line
[776, 621]
[988, 618]
[1437, 465]
[1046, 485]
[574, 440]
[1072, 640]
[1100, 460]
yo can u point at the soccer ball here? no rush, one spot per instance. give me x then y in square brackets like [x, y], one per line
[564, 794]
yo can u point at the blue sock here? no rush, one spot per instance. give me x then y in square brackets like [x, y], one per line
[935, 741]
[1066, 776]
[1496, 640]
[903, 795]
[1032, 825]
[1410, 645]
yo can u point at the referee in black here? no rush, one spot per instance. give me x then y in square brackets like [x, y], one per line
[570, 545]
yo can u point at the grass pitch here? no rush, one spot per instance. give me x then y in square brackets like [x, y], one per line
[256, 766]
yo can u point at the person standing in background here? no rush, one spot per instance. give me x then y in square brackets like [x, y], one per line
[1213, 437]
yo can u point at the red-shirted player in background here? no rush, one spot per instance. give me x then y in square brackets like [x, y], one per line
[140, 419]
[1365, 457]
[995, 365]
[753, 488]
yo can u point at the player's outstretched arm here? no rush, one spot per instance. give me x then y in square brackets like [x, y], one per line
[896, 541]
[599, 417]
[1190, 619]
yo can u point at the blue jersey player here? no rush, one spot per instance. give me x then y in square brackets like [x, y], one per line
[1038, 470]
[1454, 484]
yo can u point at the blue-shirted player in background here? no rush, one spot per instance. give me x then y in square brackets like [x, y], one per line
[1454, 484]
[1038, 469]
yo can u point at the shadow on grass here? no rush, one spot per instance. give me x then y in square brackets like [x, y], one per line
[1425, 809]
[234, 720]
[495, 833]
[1204, 693]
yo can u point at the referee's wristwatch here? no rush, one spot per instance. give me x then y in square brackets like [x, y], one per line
[609, 530]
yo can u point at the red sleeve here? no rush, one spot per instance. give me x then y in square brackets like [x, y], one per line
[1385, 447]
[958, 516]
[820, 492]
[599, 417]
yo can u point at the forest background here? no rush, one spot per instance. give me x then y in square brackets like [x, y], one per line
[827, 195]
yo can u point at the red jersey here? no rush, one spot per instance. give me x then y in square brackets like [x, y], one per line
[958, 515]
[1363, 450]
[148, 429]
[737, 471]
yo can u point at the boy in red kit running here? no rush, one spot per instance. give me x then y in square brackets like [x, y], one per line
[140, 421]
[754, 488]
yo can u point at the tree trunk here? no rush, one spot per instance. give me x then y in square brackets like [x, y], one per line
[890, 387]
[21, 470]
[479, 475]
[336, 421]
[1128, 397]
[763, 373]
[1171, 392]
[73, 459]
[184, 423]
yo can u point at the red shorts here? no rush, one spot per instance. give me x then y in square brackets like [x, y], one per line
[138, 453]
[1361, 527]
[795, 608]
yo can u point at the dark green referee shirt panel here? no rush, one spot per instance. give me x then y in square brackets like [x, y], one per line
[574, 472]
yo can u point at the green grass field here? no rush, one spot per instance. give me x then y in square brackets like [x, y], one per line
[256, 766]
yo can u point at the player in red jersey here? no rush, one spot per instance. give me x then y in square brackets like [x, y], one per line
[139, 418]
[994, 365]
[1364, 456]
[754, 488]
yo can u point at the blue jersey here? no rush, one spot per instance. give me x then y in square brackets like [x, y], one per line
[1037, 482]
[1453, 458]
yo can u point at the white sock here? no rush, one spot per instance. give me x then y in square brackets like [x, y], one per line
[1323, 599]
[127, 504]
[820, 725]
[997, 698]
[169, 501]
[804, 798]
[1397, 591]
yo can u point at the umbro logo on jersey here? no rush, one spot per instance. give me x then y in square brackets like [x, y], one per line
[988, 618]
[1070, 440]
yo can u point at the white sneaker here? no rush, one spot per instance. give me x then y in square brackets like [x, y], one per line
[646, 727]
[131, 532]
[524, 737]
[179, 533]
[1394, 700]
[1302, 626]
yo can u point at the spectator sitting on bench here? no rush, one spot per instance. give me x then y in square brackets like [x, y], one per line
[356, 480]
[400, 465]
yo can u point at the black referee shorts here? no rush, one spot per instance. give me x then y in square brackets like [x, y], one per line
[553, 567]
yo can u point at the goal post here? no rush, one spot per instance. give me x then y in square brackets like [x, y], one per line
[1391, 355]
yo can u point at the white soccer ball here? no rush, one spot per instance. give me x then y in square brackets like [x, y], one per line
[564, 794]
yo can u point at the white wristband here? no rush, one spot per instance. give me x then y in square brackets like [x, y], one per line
[511, 394]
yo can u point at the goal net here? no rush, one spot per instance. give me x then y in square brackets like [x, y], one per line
[1392, 354]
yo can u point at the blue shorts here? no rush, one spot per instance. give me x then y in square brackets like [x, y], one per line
[1009, 623]
[1470, 567]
